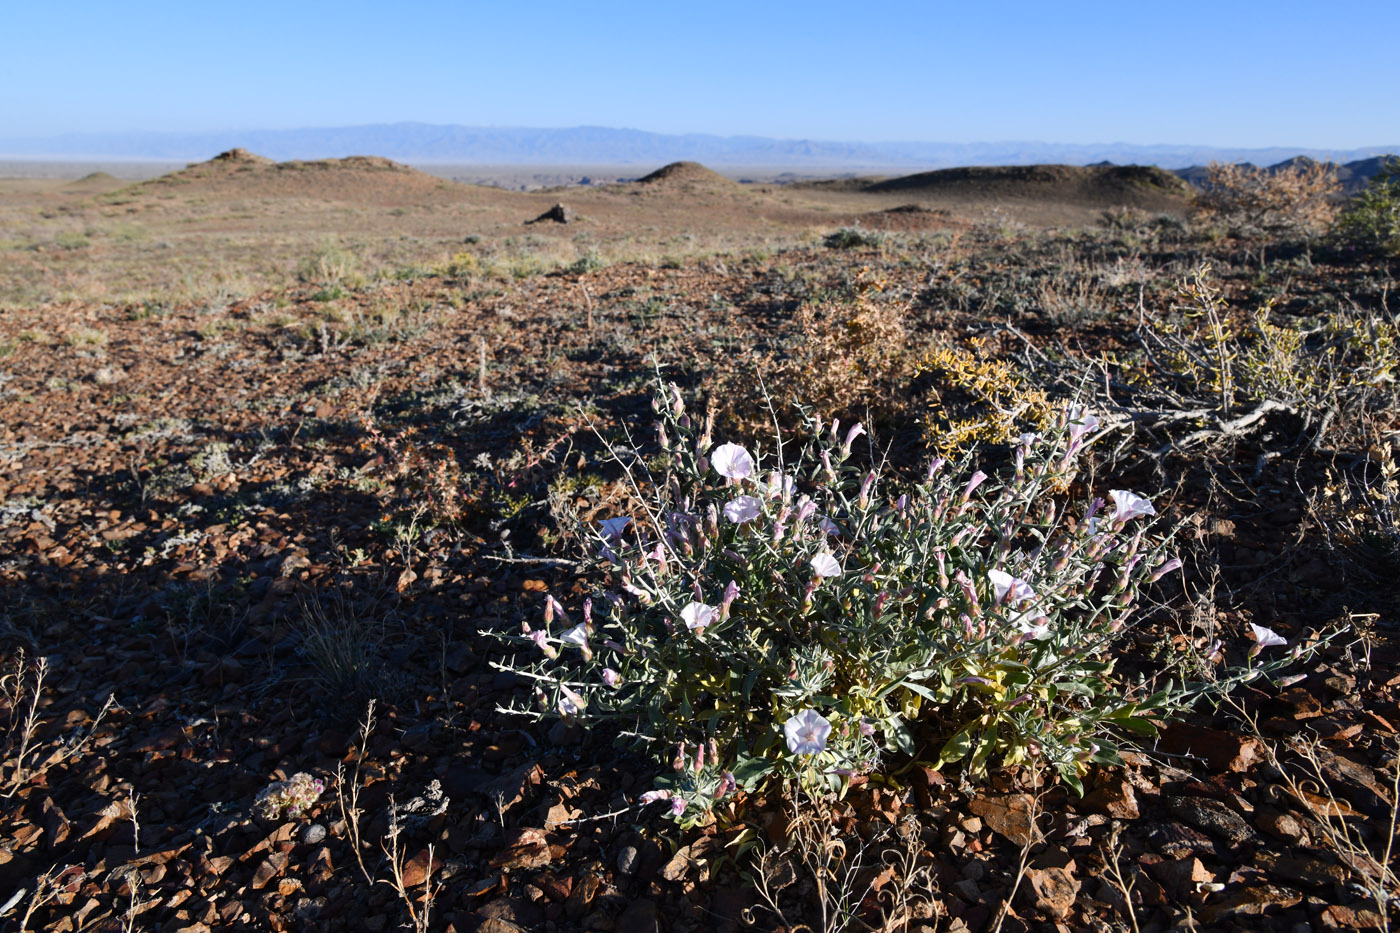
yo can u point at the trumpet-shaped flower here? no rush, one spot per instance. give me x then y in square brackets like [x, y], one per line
[1127, 505]
[806, 732]
[1266, 637]
[1081, 422]
[743, 509]
[611, 677]
[612, 528]
[731, 461]
[780, 485]
[578, 635]
[698, 615]
[570, 703]
[824, 565]
[1009, 589]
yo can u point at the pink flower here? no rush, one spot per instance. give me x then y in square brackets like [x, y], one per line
[571, 704]
[824, 565]
[856, 431]
[806, 732]
[743, 509]
[780, 484]
[972, 483]
[698, 615]
[1266, 637]
[731, 461]
[1081, 422]
[610, 677]
[1128, 505]
[652, 796]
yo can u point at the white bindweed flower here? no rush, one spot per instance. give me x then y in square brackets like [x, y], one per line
[612, 528]
[806, 732]
[743, 509]
[611, 677]
[698, 615]
[571, 703]
[731, 461]
[1008, 588]
[1128, 505]
[1032, 624]
[1267, 637]
[1081, 422]
[578, 635]
[824, 565]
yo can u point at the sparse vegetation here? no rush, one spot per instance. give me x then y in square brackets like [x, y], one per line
[252, 482]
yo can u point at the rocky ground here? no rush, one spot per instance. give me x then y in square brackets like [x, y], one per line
[272, 536]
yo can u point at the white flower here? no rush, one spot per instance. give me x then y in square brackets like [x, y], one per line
[1008, 588]
[1081, 422]
[578, 635]
[827, 526]
[1128, 505]
[743, 509]
[1267, 637]
[824, 565]
[612, 528]
[698, 615]
[571, 703]
[731, 461]
[1032, 624]
[806, 732]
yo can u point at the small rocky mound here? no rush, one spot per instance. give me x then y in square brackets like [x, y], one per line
[559, 214]
[241, 156]
[96, 181]
[685, 173]
[1144, 186]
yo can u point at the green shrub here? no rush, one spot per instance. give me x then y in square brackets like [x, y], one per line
[1371, 219]
[802, 620]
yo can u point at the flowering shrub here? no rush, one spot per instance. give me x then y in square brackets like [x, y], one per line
[290, 798]
[774, 617]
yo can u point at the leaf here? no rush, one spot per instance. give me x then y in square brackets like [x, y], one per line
[984, 750]
[1136, 724]
[750, 772]
[897, 730]
[956, 748]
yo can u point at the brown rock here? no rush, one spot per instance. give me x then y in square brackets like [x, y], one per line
[1222, 751]
[1253, 901]
[417, 869]
[1304, 869]
[1282, 826]
[1054, 889]
[56, 825]
[525, 848]
[1213, 817]
[1115, 797]
[582, 896]
[269, 869]
[1180, 876]
[1008, 815]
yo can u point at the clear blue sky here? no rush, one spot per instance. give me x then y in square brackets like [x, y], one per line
[1215, 73]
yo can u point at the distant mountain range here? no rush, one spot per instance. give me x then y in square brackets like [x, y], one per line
[594, 145]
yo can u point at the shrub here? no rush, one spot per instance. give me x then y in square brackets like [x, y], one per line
[854, 238]
[1343, 364]
[769, 618]
[854, 357]
[1295, 201]
[1371, 219]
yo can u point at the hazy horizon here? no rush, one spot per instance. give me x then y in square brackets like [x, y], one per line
[1209, 75]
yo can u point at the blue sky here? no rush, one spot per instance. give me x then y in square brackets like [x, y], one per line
[1221, 73]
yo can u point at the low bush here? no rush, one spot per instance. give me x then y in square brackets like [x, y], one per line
[1371, 220]
[768, 617]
